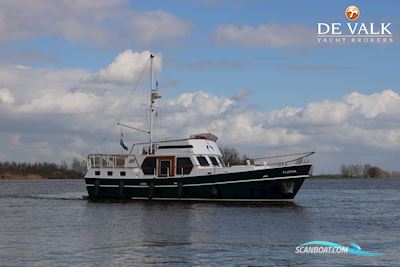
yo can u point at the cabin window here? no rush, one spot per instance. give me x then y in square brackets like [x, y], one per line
[149, 165]
[214, 161]
[122, 173]
[203, 161]
[221, 161]
[183, 166]
[109, 173]
[97, 173]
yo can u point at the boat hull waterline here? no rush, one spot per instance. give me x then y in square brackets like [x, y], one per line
[269, 184]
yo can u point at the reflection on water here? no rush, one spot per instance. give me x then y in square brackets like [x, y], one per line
[48, 223]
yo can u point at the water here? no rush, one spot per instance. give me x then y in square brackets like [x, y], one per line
[47, 223]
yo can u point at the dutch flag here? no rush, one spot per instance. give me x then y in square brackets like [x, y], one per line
[122, 143]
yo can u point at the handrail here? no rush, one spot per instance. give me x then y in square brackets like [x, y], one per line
[309, 153]
[120, 160]
[284, 163]
[108, 160]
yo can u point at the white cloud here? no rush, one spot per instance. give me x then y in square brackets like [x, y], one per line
[334, 125]
[241, 95]
[157, 27]
[6, 96]
[68, 103]
[82, 21]
[27, 84]
[387, 102]
[201, 103]
[88, 22]
[22, 67]
[265, 36]
[43, 148]
[325, 113]
[128, 67]
[15, 140]
[246, 128]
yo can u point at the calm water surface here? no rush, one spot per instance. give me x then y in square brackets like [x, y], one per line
[47, 223]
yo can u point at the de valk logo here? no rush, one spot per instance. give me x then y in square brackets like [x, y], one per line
[352, 12]
[355, 31]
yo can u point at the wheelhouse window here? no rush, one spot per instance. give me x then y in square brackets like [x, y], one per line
[214, 161]
[183, 166]
[148, 166]
[221, 161]
[203, 161]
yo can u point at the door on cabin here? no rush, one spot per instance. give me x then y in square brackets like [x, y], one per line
[166, 167]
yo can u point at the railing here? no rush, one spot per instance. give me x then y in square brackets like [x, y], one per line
[111, 161]
[166, 172]
[130, 161]
[288, 159]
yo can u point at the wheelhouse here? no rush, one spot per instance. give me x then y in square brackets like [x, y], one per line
[184, 157]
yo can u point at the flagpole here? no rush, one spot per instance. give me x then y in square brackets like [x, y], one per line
[122, 149]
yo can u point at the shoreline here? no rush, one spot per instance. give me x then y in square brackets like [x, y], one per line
[31, 176]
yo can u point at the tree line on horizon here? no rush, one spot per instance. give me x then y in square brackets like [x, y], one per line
[76, 170]
[232, 156]
[365, 171]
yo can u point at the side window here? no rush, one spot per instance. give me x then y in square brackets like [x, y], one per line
[109, 173]
[122, 173]
[183, 166]
[97, 173]
[148, 165]
[214, 161]
[203, 161]
[222, 162]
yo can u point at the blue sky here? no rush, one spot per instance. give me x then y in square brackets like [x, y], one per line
[79, 39]
[262, 70]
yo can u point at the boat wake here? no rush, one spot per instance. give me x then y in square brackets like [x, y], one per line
[62, 196]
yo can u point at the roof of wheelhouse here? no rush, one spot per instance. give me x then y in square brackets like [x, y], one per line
[207, 136]
[199, 144]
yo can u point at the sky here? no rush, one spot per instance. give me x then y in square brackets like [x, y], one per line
[252, 72]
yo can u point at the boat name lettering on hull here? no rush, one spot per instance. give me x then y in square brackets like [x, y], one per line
[289, 172]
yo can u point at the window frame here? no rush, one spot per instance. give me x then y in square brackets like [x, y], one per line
[184, 169]
[149, 169]
[221, 161]
[202, 164]
[216, 163]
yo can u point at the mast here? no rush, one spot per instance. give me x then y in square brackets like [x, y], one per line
[153, 96]
[151, 104]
